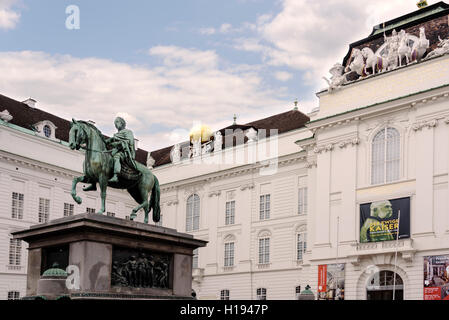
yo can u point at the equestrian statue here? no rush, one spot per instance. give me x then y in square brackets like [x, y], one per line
[110, 162]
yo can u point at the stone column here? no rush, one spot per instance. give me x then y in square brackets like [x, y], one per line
[182, 278]
[423, 216]
[322, 199]
[33, 270]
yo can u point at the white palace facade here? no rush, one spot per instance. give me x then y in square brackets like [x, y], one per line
[272, 223]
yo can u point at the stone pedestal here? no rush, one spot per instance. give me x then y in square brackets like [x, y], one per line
[110, 258]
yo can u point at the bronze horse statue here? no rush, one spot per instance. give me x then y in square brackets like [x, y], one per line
[98, 168]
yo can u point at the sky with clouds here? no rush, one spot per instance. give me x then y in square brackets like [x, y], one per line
[167, 65]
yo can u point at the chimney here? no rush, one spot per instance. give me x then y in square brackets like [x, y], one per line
[30, 102]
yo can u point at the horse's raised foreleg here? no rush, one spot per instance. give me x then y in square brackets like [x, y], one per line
[103, 181]
[74, 183]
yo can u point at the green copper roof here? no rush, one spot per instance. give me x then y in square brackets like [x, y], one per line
[54, 272]
[381, 29]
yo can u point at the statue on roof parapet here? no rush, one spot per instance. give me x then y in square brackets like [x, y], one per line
[400, 49]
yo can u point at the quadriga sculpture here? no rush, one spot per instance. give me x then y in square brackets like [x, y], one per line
[404, 50]
[420, 47]
[101, 166]
[358, 63]
[376, 62]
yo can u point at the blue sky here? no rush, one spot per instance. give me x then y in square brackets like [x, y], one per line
[166, 65]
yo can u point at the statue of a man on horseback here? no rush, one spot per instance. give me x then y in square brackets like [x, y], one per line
[111, 163]
[123, 148]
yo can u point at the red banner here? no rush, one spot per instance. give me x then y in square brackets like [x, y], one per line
[432, 293]
[322, 278]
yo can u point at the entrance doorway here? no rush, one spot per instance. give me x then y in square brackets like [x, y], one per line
[381, 287]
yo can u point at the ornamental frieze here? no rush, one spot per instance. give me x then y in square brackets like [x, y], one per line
[425, 124]
[341, 144]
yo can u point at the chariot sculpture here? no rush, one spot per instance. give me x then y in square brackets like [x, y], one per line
[397, 48]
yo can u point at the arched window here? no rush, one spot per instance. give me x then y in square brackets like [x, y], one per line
[47, 131]
[385, 158]
[193, 213]
[382, 285]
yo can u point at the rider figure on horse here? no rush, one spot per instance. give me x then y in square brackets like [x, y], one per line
[123, 148]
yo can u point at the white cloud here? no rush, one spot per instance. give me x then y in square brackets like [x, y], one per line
[188, 85]
[283, 75]
[225, 28]
[207, 31]
[311, 36]
[8, 17]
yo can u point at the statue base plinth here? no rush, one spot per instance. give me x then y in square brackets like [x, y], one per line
[108, 258]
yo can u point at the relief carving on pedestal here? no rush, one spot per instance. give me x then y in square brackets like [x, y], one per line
[140, 269]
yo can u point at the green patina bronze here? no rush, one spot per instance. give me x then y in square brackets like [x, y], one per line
[111, 163]
[55, 272]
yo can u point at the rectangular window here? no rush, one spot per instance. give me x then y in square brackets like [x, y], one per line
[264, 212]
[229, 254]
[193, 213]
[68, 209]
[302, 201]
[261, 294]
[15, 252]
[230, 213]
[264, 251]
[44, 210]
[13, 295]
[224, 295]
[17, 205]
[301, 246]
[90, 210]
[195, 259]
[110, 214]
[298, 291]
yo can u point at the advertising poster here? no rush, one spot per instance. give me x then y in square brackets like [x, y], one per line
[436, 278]
[379, 220]
[331, 282]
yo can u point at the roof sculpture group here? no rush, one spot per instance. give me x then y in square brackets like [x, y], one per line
[399, 49]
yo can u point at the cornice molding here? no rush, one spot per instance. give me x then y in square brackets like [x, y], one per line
[382, 107]
[24, 162]
[248, 186]
[235, 172]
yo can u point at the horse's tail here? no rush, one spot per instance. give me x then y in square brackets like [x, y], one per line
[155, 200]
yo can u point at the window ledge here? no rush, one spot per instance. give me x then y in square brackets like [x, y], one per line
[264, 265]
[228, 268]
[369, 186]
[14, 268]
